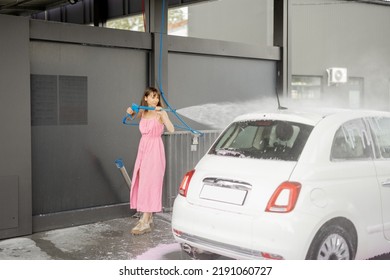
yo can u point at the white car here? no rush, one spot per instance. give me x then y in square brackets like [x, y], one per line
[288, 185]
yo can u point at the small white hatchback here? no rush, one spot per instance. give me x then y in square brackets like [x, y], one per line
[288, 185]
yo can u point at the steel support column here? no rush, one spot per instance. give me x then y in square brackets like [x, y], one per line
[159, 65]
[281, 39]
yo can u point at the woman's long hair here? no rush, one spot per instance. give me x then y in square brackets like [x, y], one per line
[154, 91]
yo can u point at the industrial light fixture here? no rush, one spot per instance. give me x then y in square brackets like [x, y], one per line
[72, 2]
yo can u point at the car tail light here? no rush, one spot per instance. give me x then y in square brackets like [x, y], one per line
[186, 182]
[284, 198]
[177, 232]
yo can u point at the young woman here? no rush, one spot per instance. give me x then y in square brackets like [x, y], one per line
[149, 168]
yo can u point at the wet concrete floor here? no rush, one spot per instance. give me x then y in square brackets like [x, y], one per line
[108, 240]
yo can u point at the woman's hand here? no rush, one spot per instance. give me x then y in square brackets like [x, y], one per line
[130, 111]
[161, 113]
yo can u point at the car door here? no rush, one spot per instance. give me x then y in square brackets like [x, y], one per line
[381, 133]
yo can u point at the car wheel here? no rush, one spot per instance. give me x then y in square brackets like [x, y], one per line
[332, 242]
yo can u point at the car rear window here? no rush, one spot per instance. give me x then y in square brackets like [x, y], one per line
[263, 139]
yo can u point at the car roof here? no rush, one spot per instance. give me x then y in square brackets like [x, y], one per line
[310, 116]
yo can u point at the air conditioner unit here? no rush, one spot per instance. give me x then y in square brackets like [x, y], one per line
[337, 75]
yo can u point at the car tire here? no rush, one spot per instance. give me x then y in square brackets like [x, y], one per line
[332, 242]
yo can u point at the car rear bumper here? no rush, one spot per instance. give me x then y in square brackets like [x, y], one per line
[213, 246]
[241, 236]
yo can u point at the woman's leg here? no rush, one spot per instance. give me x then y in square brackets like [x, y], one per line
[145, 217]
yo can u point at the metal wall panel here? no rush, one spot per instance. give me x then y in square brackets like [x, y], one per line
[15, 132]
[73, 159]
[182, 155]
[213, 83]
[9, 190]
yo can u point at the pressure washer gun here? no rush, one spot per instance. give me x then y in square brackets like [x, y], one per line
[136, 108]
[122, 169]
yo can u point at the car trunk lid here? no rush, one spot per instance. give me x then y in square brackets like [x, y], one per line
[236, 184]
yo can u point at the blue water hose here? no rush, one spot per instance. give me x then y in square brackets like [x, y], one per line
[136, 107]
[128, 117]
[186, 126]
[122, 169]
[119, 163]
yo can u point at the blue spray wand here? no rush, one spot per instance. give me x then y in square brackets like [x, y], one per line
[136, 108]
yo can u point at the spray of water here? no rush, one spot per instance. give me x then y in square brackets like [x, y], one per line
[219, 115]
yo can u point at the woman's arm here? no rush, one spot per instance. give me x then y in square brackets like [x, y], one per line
[165, 119]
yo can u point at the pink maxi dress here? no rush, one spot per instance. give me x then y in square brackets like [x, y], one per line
[149, 168]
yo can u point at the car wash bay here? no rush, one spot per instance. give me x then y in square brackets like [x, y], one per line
[67, 89]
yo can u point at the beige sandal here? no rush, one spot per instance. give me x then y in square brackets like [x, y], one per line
[141, 228]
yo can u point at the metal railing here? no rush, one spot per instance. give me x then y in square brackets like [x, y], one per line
[183, 151]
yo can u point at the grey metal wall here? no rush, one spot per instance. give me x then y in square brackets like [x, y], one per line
[250, 23]
[73, 161]
[15, 132]
[82, 80]
[219, 86]
[183, 151]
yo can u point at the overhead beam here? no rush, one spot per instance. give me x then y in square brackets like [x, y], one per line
[377, 2]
